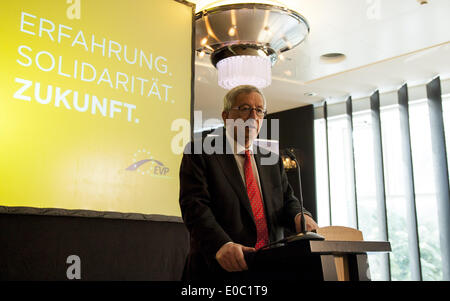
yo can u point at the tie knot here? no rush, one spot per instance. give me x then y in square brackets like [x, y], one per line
[247, 153]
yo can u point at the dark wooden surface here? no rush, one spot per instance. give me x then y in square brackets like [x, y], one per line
[312, 260]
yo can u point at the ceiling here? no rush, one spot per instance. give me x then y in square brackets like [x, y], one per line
[386, 43]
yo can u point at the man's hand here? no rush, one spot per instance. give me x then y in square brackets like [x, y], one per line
[231, 257]
[310, 223]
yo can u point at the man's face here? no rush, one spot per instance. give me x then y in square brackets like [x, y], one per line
[252, 122]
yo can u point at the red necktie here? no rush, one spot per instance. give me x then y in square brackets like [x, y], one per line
[254, 195]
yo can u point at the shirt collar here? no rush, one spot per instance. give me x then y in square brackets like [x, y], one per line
[237, 147]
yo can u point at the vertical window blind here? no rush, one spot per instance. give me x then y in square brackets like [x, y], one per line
[382, 167]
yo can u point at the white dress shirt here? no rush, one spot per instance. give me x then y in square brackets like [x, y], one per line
[239, 155]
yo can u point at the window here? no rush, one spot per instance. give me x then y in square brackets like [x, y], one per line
[430, 255]
[396, 193]
[321, 166]
[368, 213]
[340, 181]
[411, 202]
[446, 113]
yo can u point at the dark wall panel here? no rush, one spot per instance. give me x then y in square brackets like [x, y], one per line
[297, 131]
[36, 247]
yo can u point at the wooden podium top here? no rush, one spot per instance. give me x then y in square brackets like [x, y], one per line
[348, 247]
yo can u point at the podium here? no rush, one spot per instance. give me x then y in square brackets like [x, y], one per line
[342, 256]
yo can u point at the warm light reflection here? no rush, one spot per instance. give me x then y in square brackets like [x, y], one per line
[288, 163]
[261, 53]
[232, 31]
[209, 29]
[265, 34]
[209, 48]
[233, 17]
[266, 20]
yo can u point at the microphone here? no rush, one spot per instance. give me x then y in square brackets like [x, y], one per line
[304, 234]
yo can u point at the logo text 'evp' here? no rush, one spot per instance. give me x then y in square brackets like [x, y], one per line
[146, 164]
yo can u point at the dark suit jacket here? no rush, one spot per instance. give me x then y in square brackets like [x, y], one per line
[216, 209]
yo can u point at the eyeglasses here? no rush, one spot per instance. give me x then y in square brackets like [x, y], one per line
[247, 110]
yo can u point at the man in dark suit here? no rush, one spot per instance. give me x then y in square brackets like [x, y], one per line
[231, 202]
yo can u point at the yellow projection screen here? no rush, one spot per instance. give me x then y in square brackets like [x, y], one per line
[89, 90]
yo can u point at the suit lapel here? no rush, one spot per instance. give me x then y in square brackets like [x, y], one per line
[231, 171]
[264, 177]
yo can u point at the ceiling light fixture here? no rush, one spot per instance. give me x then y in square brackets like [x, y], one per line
[245, 40]
[333, 57]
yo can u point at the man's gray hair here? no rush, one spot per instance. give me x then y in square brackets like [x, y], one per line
[230, 97]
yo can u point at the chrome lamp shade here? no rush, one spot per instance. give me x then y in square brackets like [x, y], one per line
[245, 40]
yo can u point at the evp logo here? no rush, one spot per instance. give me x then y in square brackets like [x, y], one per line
[146, 164]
